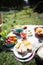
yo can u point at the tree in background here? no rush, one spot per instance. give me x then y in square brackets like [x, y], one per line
[11, 3]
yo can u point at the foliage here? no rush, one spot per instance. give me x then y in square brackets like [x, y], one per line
[3, 36]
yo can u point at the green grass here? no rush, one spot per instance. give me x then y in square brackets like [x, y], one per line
[7, 58]
[22, 17]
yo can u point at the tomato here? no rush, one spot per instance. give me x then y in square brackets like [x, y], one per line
[23, 35]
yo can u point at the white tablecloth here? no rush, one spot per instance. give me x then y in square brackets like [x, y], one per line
[33, 39]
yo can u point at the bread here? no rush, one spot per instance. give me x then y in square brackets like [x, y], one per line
[22, 49]
[17, 45]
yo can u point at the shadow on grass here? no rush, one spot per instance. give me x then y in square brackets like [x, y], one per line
[4, 48]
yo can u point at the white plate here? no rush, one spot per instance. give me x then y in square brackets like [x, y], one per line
[20, 55]
[26, 60]
[11, 34]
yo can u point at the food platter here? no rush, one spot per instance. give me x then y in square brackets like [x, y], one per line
[23, 49]
[26, 60]
[20, 56]
[11, 40]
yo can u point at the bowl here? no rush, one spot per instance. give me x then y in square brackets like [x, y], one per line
[19, 30]
[10, 41]
[37, 34]
[9, 45]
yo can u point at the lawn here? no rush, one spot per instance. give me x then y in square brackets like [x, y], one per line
[9, 21]
[22, 17]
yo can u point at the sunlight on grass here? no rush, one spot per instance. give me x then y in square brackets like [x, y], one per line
[22, 17]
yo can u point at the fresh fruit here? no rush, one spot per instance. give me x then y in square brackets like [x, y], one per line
[23, 35]
[11, 40]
